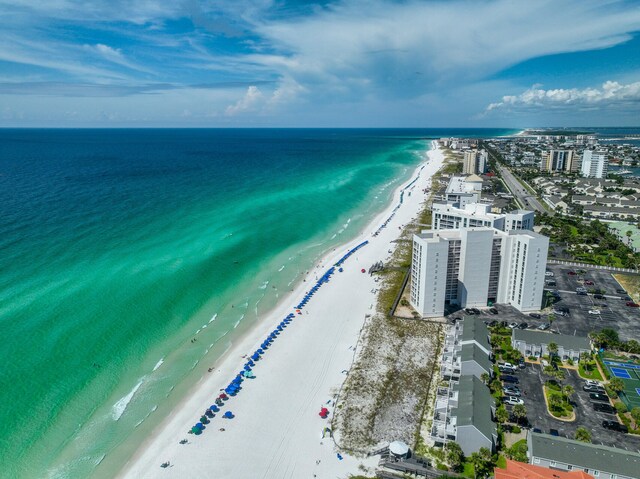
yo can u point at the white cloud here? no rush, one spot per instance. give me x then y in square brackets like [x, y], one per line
[249, 102]
[611, 93]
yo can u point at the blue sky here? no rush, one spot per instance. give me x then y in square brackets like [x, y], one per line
[379, 63]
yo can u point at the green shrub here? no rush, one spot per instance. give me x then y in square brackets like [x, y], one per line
[533, 358]
[516, 430]
[442, 467]
[621, 407]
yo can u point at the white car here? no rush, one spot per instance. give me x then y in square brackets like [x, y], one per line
[591, 382]
[594, 311]
[513, 325]
[513, 401]
[548, 273]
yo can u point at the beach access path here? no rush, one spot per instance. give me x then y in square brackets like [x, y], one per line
[276, 431]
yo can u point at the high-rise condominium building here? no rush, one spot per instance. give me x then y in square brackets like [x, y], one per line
[475, 162]
[559, 160]
[594, 164]
[475, 267]
[472, 215]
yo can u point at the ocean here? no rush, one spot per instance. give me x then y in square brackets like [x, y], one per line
[131, 259]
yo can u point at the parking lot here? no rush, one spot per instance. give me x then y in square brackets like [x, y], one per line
[614, 313]
[531, 382]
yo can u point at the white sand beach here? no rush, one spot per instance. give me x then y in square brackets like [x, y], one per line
[277, 431]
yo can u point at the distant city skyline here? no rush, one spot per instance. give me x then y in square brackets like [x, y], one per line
[268, 63]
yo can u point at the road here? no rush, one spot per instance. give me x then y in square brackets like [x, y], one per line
[525, 198]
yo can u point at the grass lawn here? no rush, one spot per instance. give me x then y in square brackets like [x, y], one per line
[468, 470]
[593, 374]
[631, 283]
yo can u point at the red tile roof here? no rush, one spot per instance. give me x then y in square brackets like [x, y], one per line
[520, 470]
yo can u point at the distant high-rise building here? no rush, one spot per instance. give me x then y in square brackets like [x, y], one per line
[558, 160]
[475, 267]
[594, 164]
[475, 162]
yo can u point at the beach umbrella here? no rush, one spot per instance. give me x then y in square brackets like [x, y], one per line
[199, 425]
[214, 408]
[363, 270]
[228, 415]
[208, 413]
[196, 430]
[204, 419]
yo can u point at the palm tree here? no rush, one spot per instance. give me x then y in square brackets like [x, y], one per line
[555, 401]
[553, 348]
[502, 415]
[568, 391]
[519, 412]
[582, 434]
[616, 385]
[485, 378]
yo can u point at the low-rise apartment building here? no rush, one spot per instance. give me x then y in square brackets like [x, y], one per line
[563, 454]
[536, 343]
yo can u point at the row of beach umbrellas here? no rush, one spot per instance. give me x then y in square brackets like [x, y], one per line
[235, 386]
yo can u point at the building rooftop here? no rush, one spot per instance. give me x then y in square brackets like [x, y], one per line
[475, 330]
[585, 455]
[471, 352]
[474, 405]
[520, 470]
[541, 337]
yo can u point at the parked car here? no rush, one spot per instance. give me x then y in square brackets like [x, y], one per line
[548, 273]
[626, 298]
[621, 291]
[476, 311]
[550, 282]
[504, 324]
[535, 315]
[493, 323]
[598, 296]
[469, 311]
[571, 273]
[592, 388]
[554, 432]
[521, 363]
[544, 327]
[493, 310]
[588, 283]
[631, 304]
[594, 311]
[507, 378]
[615, 426]
[523, 326]
[538, 430]
[580, 289]
[599, 397]
[592, 382]
[507, 370]
[560, 312]
[513, 325]
[603, 407]
[513, 401]
[511, 391]
[581, 293]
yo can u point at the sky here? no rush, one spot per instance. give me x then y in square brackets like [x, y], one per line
[285, 63]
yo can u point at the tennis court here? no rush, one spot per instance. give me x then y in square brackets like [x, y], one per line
[630, 375]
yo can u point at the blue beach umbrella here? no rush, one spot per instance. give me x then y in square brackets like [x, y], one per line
[228, 415]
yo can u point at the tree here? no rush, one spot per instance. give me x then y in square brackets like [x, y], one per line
[485, 378]
[568, 391]
[518, 452]
[549, 370]
[454, 455]
[502, 415]
[553, 348]
[519, 412]
[555, 401]
[582, 434]
[635, 414]
[616, 385]
[482, 462]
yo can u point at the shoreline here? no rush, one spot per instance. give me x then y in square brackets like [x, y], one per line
[165, 436]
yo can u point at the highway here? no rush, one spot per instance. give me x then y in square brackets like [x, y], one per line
[528, 200]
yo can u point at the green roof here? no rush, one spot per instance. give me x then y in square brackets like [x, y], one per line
[540, 337]
[471, 352]
[475, 330]
[585, 455]
[474, 405]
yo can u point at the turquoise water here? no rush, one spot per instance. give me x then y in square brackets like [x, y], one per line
[120, 247]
